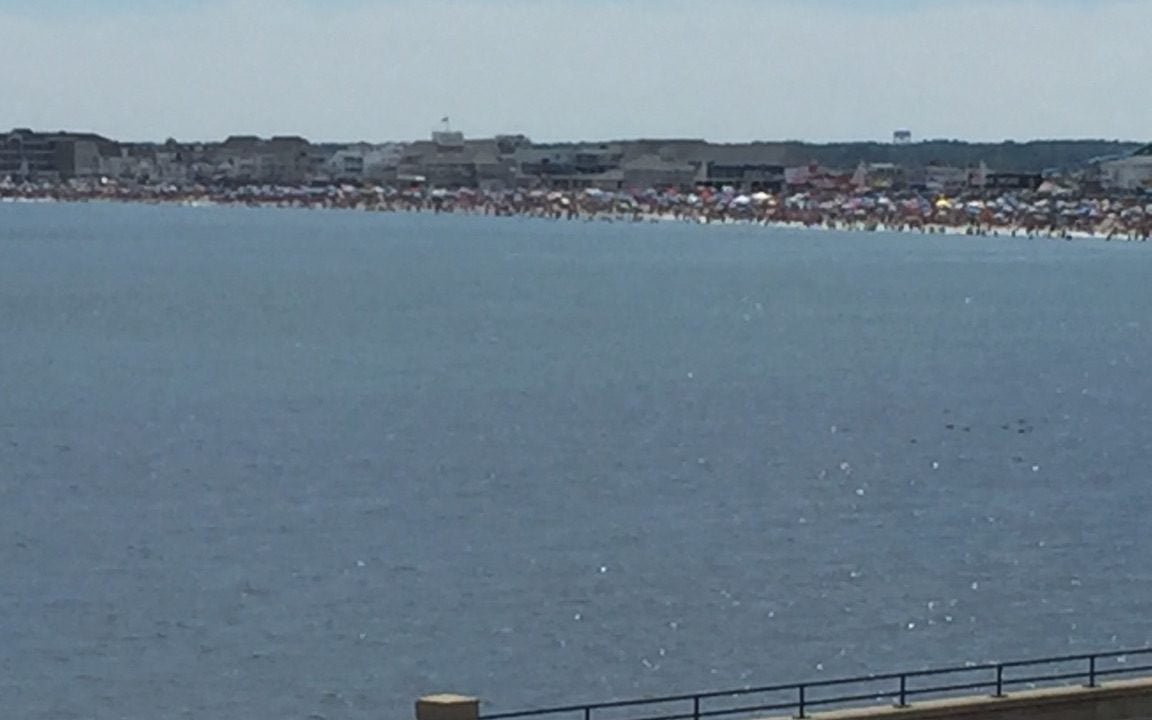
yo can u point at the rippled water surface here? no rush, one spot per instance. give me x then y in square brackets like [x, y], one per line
[274, 464]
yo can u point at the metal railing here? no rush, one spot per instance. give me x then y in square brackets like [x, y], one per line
[897, 688]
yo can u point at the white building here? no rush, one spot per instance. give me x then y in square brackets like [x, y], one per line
[364, 161]
[1131, 173]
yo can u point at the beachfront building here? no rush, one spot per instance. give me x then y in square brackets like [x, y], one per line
[449, 160]
[1131, 173]
[942, 177]
[744, 167]
[132, 163]
[654, 171]
[814, 176]
[26, 154]
[37, 156]
[169, 163]
[570, 166]
[1001, 181]
[494, 169]
[282, 160]
[441, 162]
[742, 177]
[507, 145]
[878, 176]
[361, 162]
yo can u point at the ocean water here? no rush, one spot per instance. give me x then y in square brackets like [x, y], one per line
[271, 464]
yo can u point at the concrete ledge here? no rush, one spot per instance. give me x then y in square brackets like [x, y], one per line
[1121, 700]
[447, 706]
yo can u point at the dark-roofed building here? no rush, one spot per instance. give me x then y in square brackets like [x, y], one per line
[743, 176]
[451, 161]
[654, 171]
[744, 166]
[438, 165]
[1013, 181]
[286, 160]
[51, 156]
[568, 166]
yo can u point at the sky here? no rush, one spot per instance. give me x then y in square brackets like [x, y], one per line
[722, 70]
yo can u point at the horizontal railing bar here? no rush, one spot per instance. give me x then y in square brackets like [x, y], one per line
[893, 676]
[948, 671]
[1074, 658]
[749, 709]
[680, 716]
[536, 713]
[1124, 671]
[749, 691]
[634, 703]
[1047, 678]
[951, 688]
[860, 680]
[877, 696]
[599, 706]
[531, 713]
[1047, 661]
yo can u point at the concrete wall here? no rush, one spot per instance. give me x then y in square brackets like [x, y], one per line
[1126, 700]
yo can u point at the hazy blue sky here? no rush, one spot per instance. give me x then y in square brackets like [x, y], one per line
[553, 69]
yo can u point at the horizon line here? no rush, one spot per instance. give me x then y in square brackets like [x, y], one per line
[601, 140]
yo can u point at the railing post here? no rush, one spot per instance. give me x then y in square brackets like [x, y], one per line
[447, 706]
[587, 712]
[1091, 671]
[903, 690]
[999, 681]
[696, 707]
[802, 714]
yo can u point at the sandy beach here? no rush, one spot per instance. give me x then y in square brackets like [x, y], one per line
[1047, 212]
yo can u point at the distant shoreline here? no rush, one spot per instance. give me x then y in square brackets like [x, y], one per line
[1123, 218]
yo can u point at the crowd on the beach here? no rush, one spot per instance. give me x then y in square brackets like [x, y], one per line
[1055, 212]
